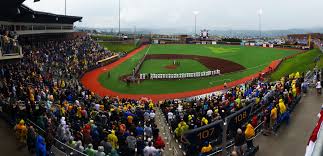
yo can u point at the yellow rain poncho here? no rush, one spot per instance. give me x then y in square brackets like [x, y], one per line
[297, 75]
[206, 149]
[249, 132]
[282, 107]
[151, 105]
[204, 121]
[182, 127]
[79, 113]
[113, 140]
[273, 113]
[21, 131]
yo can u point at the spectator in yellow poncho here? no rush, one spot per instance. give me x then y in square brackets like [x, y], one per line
[101, 107]
[204, 121]
[273, 116]
[190, 117]
[297, 75]
[130, 119]
[282, 80]
[63, 84]
[207, 148]
[62, 111]
[249, 133]
[282, 107]
[79, 113]
[238, 102]
[21, 131]
[32, 97]
[151, 105]
[294, 90]
[113, 140]
[182, 127]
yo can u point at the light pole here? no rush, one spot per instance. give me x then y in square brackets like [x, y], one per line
[119, 15]
[195, 15]
[65, 7]
[259, 14]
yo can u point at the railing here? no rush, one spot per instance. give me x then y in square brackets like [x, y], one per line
[258, 131]
[57, 149]
[228, 144]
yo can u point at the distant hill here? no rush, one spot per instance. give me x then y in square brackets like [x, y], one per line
[224, 33]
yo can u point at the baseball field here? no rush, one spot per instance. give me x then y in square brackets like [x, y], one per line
[235, 62]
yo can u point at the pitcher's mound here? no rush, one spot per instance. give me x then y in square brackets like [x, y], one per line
[171, 67]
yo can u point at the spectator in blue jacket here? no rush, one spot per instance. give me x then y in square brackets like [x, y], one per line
[40, 146]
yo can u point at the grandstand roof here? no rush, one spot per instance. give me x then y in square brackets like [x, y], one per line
[15, 11]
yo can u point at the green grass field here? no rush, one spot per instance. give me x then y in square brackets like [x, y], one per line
[159, 66]
[118, 47]
[300, 63]
[255, 59]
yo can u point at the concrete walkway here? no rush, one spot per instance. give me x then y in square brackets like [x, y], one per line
[291, 140]
[172, 147]
[8, 144]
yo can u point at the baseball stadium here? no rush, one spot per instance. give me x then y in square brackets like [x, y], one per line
[116, 80]
[232, 61]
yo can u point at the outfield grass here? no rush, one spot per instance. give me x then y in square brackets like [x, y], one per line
[255, 59]
[159, 66]
[118, 47]
[300, 63]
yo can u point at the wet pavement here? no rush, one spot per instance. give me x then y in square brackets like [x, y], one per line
[8, 143]
[291, 140]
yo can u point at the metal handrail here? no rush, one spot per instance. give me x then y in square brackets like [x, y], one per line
[232, 143]
[72, 150]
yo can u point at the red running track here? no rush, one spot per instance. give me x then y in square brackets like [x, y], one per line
[90, 81]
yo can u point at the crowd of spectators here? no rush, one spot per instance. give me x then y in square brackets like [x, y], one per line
[274, 101]
[8, 41]
[43, 88]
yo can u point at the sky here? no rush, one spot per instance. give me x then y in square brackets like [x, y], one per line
[213, 14]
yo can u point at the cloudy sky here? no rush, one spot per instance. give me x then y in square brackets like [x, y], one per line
[213, 14]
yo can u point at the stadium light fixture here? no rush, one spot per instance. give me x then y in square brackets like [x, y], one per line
[260, 12]
[195, 17]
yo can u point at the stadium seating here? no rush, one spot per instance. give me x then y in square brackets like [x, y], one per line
[43, 89]
[283, 96]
